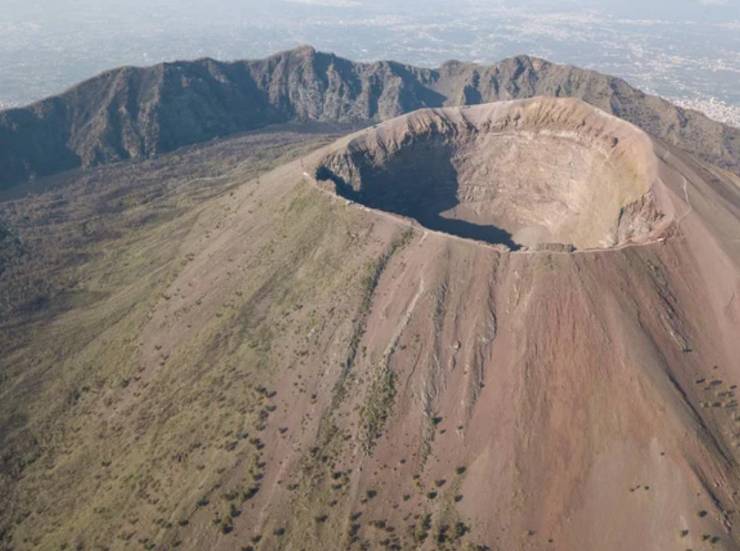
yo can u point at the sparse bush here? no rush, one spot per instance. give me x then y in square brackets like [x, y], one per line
[460, 530]
[421, 531]
[442, 533]
[250, 492]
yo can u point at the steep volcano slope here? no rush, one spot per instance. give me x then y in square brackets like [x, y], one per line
[302, 372]
[137, 113]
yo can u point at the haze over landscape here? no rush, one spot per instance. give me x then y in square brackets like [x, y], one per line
[686, 50]
[355, 295]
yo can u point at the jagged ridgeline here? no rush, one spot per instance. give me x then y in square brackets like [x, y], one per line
[134, 113]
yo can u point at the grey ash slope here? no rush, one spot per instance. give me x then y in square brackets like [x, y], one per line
[142, 112]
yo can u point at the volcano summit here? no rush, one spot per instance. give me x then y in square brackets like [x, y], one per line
[521, 173]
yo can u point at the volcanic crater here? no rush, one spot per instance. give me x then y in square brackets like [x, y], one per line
[523, 174]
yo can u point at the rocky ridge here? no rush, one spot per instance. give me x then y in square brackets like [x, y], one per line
[141, 112]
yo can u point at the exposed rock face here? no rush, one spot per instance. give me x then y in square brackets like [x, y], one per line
[521, 173]
[141, 112]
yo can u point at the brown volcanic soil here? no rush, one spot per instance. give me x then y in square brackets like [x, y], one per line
[309, 373]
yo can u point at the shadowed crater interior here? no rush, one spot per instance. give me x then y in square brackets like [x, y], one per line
[523, 173]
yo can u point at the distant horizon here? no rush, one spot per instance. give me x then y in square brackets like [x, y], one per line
[714, 108]
[683, 49]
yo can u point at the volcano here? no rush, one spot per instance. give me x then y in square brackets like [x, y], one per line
[505, 326]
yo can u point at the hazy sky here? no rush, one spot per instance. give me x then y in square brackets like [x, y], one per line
[67, 14]
[47, 45]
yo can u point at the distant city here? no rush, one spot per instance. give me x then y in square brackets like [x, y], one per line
[692, 59]
[711, 107]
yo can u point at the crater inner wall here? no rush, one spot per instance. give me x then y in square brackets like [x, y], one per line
[520, 173]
